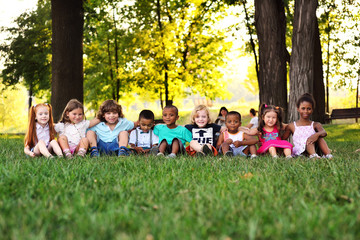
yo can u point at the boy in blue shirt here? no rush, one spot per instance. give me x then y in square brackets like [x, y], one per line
[172, 137]
[110, 136]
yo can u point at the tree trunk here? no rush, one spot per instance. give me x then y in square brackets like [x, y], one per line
[67, 53]
[302, 57]
[270, 27]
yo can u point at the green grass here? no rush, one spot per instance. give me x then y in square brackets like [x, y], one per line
[183, 198]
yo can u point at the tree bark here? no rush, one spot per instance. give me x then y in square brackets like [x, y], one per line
[270, 25]
[306, 74]
[67, 53]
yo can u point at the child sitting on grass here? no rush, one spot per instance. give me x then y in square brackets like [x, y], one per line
[72, 129]
[40, 136]
[307, 133]
[233, 141]
[172, 138]
[204, 133]
[110, 136]
[142, 139]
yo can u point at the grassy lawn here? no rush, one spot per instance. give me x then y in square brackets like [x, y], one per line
[183, 198]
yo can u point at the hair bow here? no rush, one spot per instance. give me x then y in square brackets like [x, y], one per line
[266, 105]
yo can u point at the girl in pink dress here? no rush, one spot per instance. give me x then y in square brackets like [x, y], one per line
[269, 134]
[306, 132]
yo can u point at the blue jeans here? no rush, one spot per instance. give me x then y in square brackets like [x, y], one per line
[108, 148]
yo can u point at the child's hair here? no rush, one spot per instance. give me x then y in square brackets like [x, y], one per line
[30, 137]
[235, 113]
[222, 108]
[306, 97]
[199, 108]
[109, 106]
[173, 107]
[70, 106]
[264, 109]
[253, 112]
[147, 114]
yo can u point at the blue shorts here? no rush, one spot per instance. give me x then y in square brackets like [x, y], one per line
[108, 148]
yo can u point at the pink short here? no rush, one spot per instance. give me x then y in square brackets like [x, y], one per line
[72, 149]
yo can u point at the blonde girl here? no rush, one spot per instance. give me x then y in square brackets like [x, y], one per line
[204, 133]
[72, 129]
[40, 136]
[270, 131]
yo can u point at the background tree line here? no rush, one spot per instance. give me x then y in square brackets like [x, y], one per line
[160, 49]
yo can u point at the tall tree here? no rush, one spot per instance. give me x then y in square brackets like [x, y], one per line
[67, 53]
[270, 27]
[306, 63]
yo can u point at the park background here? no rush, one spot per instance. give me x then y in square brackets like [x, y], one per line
[236, 72]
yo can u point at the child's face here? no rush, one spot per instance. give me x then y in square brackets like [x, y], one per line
[76, 115]
[201, 118]
[146, 124]
[232, 123]
[169, 116]
[305, 110]
[270, 118]
[111, 117]
[42, 115]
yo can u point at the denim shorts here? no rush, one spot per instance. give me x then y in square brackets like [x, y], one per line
[109, 148]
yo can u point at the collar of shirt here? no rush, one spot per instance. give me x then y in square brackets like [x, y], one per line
[38, 126]
[142, 132]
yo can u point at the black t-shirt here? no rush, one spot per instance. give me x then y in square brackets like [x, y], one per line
[207, 134]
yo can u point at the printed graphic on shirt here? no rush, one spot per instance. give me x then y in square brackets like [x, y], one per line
[271, 136]
[203, 135]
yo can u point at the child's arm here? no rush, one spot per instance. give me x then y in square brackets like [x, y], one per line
[248, 140]
[320, 133]
[137, 149]
[252, 132]
[288, 130]
[220, 141]
[28, 152]
[94, 122]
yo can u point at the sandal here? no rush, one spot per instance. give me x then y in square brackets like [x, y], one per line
[94, 152]
[123, 151]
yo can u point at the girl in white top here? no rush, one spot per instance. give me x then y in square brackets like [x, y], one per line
[254, 122]
[306, 132]
[40, 136]
[72, 129]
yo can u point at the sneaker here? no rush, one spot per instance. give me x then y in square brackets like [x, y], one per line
[160, 154]
[81, 153]
[229, 154]
[154, 151]
[253, 156]
[171, 155]
[68, 154]
[206, 150]
[94, 152]
[199, 154]
[328, 156]
[124, 151]
[288, 157]
[314, 156]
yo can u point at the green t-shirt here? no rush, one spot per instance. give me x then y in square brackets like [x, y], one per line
[180, 132]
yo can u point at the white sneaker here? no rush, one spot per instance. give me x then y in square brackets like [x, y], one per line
[171, 155]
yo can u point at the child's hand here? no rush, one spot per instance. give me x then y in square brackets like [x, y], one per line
[139, 149]
[229, 141]
[31, 154]
[237, 143]
[312, 139]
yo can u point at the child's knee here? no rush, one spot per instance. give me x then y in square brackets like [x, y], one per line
[63, 138]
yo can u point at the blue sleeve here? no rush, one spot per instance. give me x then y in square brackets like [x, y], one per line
[187, 135]
[156, 130]
[127, 124]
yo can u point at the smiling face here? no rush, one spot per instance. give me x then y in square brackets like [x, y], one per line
[270, 118]
[305, 110]
[170, 116]
[75, 116]
[201, 118]
[111, 117]
[42, 115]
[232, 123]
[146, 124]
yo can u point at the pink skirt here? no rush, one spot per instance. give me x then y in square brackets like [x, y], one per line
[274, 143]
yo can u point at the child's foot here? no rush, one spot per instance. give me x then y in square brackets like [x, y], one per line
[275, 156]
[314, 156]
[50, 157]
[81, 152]
[154, 151]
[229, 154]
[124, 151]
[253, 156]
[171, 155]
[160, 154]
[288, 156]
[206, 150]
[328, 156]
[68, 154]
[94, 152]
[199, 154]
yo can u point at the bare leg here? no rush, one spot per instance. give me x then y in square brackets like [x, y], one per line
[252, 149]
[82, 148]
[225, 147]
[287, 152]
[323, 146]
[54, 145]
[272, 151]
[41, 148]
[123, 139]
[195, 145]
[162, 146]
[310, 149]
[91, 136]
[63, 142]
[175, 146]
